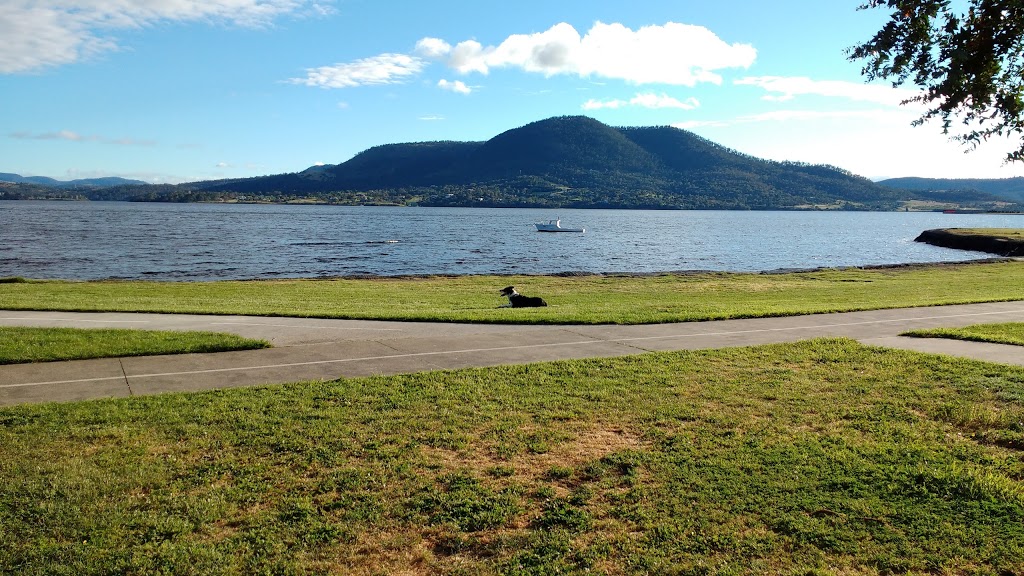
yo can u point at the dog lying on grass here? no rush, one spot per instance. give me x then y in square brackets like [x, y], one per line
[517, 300]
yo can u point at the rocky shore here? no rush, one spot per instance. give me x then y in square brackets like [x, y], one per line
[974, 239]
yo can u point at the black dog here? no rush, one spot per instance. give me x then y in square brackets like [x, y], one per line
[517, 300]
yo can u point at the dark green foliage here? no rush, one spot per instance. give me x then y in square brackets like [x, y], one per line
[465, 502]
[573, 144]
[565, 514]
[970, 65]
[416, 164]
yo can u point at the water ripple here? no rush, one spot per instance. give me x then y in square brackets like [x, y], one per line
[96, 240]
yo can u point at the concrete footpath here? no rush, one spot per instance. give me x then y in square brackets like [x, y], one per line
[312, 349]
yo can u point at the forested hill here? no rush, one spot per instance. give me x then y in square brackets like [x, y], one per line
[576, 161]
[1011, 189]
[568, 161]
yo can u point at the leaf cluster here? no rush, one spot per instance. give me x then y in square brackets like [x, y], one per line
[969, 66]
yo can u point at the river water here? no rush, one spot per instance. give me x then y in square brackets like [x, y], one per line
[97, 240]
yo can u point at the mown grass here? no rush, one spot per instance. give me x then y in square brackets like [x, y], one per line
[573, 300]
[819, 457]
[20, 345]
[1007, 333]
[1009, 233]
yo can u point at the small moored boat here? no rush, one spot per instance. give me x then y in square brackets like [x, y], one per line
[555, 226]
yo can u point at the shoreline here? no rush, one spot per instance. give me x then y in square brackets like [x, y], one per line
[562, 274]
[968, 239]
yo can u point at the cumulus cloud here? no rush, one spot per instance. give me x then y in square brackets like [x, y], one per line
[783, 88]
[457, 86]
[613, 104]
[647, 100]
[383, 69]
[677, 54]
[43, 33]
[651, 100]
[433, 48]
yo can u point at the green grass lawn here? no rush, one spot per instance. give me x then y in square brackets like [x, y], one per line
[573, 300]
[1008, 333]
[1009, 233]
[819, 457]
[18, 345]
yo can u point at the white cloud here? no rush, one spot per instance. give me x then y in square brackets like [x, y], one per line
[42, 33]
[677, 54]
[783, 88]
[593, 104]
[431, 118]
[383, 69]
[457, 86]
[645, 100]
[651, 100]
[433, 48]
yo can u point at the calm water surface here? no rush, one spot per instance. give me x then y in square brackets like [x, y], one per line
[95, 240]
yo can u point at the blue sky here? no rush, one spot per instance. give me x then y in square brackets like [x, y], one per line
[180, 90]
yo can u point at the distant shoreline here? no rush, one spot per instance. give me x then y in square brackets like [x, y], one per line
[822, 208]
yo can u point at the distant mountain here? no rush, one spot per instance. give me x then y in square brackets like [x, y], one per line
[576, 161]
[82, 182]
[568, 161]
[1011, 189]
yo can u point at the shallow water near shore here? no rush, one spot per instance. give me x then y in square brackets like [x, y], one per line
[99, 240]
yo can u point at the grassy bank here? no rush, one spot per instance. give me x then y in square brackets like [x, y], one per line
[1007, 233]
[1008, 333]
[19, 345]
[818, 457]
[573, 300]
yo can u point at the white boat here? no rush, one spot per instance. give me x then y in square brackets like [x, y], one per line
[555, 226]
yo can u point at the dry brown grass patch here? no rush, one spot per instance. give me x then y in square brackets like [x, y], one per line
[586, 446]
[403, 553]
